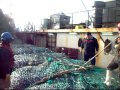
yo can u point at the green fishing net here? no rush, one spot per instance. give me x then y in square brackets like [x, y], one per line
[48, 64]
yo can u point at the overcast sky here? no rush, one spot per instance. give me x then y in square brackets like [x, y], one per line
[35, 10]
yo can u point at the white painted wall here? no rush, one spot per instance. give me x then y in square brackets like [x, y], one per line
[72, 41]
[62, 40]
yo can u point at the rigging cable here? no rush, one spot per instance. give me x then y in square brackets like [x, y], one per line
[91, 20]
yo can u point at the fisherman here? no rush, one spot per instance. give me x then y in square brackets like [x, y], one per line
[91, 47]
[114, 64]
[6, 60]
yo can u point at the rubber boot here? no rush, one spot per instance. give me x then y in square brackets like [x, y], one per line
[108, 77]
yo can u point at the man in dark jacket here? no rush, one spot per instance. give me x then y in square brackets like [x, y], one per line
[90, 46]
[6, 59]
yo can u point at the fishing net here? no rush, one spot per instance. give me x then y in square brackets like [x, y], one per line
[35, 70]
[29, 49]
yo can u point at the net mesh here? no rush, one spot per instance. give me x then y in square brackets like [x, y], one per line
[32, 64]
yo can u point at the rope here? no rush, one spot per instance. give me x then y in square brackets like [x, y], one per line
[91, 19]
[96, 55]
[88, 60]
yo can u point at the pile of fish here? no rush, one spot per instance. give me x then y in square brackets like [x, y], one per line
[34, 66]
